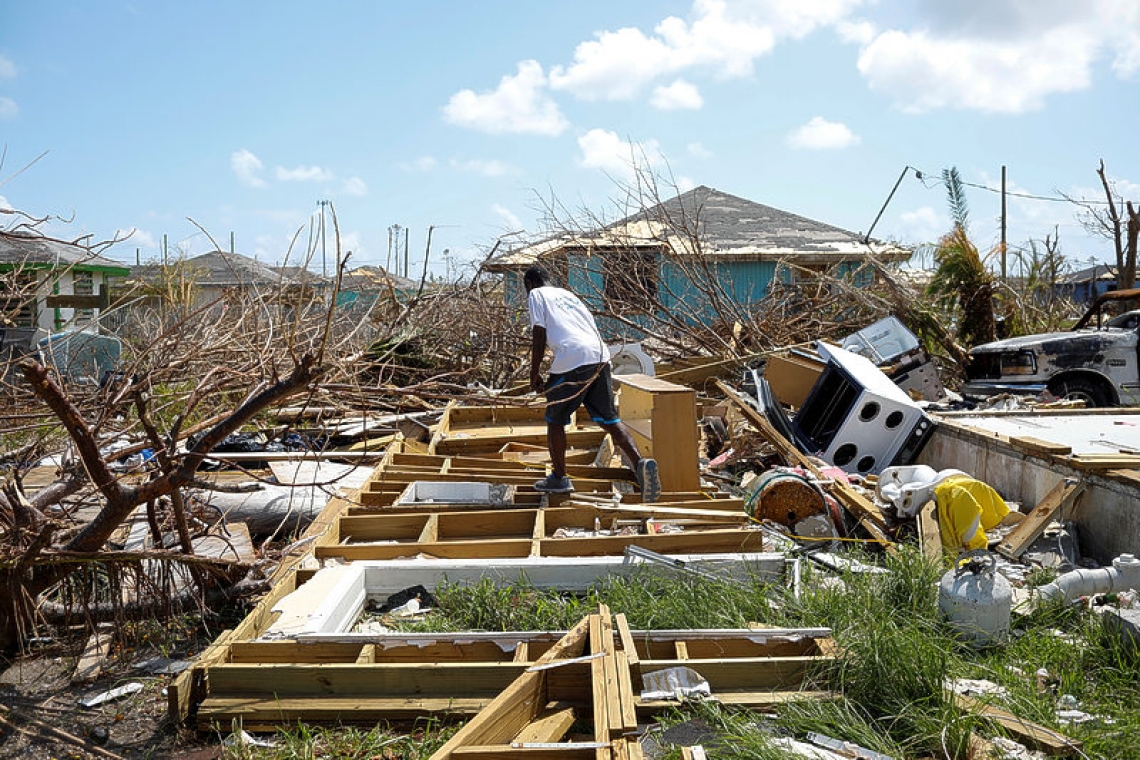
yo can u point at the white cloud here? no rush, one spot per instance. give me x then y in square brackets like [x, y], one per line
[7, 68]
[304, 174]
[604, 150]
[860, 32]
[724, 38]
[5, 205]
[354, 186]
[519, 105]
[698, 150]
[424, 164]
[138, 238]
[510, 220]
[8, 108]
[821, 134]
[680, 94]
[247, 167]
[488, 168]
[1002, 56]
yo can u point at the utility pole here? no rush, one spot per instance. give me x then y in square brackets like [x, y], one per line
[394, 246]
[1003, 222]
[917, 173]
[324, 269]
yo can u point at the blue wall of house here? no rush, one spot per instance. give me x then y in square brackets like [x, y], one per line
[744, 282]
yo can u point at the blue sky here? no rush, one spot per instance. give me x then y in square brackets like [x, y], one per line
[471, 117]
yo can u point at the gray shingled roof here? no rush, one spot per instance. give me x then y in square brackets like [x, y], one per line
[36, 249]
[726, 222]
[726, 225]
[222, 269]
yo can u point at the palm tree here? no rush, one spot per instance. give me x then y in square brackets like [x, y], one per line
[961, 281]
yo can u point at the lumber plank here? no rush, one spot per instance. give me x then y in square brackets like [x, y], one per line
[333, 679]
[95, 653]
[750, 673]
[598, 681]
[261, 712]
[1033, 735]
[626, 693]
[560, 751]
[755, 700]
[1039, 446]
[549, 726]
[1063, 495]
[627, 644]
[929, 535]
[187, 689]
[430, 532]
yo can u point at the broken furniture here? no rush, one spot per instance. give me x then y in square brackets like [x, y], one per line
[662, 418]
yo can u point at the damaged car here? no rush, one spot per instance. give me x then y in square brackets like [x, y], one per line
[1096, 362]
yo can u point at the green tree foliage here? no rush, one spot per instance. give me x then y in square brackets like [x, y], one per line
[962, 284]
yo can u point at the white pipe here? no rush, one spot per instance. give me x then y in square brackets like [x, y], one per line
[1124, 574]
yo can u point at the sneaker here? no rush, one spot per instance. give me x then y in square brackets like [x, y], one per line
[648, 480]
[554, 484]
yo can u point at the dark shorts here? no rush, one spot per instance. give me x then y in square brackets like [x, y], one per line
[590, 384]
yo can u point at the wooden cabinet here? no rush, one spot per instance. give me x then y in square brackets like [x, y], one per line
[662, 417]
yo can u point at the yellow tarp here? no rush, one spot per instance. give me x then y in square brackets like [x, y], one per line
[967, 508]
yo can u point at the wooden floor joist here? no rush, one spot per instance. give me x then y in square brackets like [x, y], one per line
[524, 690]
[266, 683]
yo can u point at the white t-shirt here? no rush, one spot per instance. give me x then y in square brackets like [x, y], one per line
[570, 329]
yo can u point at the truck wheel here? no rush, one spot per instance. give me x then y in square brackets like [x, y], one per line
[1080, 389]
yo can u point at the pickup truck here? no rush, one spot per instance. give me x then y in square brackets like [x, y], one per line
[1097, 361]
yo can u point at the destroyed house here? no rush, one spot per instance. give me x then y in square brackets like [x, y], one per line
[668, 257]
[217, 274]
[48, 284]
[365, 285]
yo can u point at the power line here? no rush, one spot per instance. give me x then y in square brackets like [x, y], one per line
[922, 177]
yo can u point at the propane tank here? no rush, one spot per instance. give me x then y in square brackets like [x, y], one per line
[975, 599]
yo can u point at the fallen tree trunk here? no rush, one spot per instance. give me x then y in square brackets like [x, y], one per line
[271, 508]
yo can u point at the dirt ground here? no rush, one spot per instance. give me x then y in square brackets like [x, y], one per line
[41, 715]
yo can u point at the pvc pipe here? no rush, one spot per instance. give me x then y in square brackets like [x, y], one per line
[1124, 574]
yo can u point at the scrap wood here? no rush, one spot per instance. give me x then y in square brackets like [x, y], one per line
[1033, 735]
[929, 534]
[1063, 496]
[868, 514]
[95, 653]
[1098, 462]
[519, 704]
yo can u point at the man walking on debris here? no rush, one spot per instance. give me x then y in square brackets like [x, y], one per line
[579, 374]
